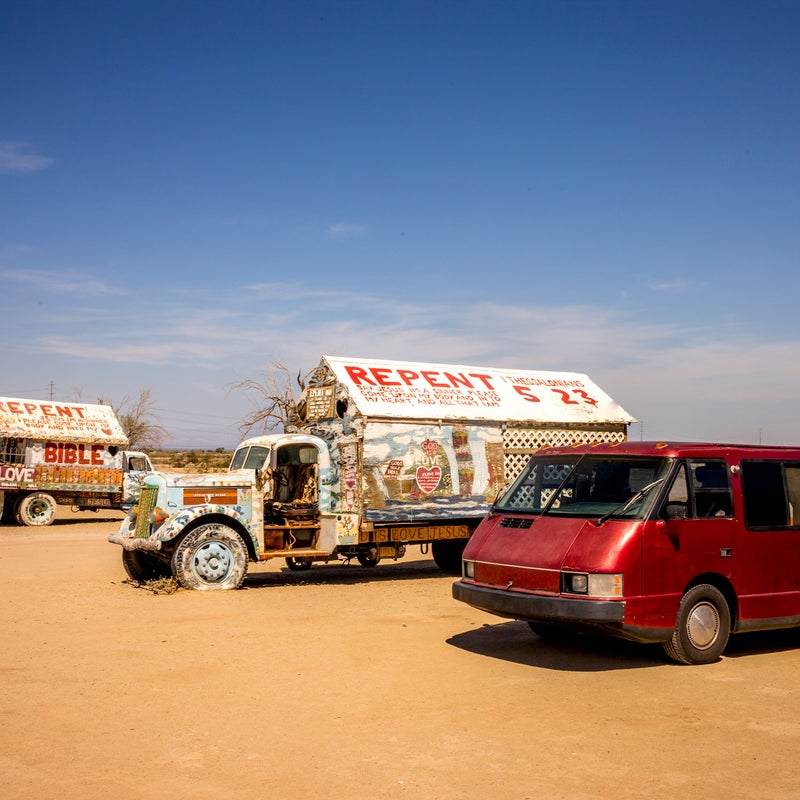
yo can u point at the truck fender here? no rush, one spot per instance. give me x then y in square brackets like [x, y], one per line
[175, 525]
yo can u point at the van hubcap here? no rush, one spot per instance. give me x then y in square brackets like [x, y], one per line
[702, 626]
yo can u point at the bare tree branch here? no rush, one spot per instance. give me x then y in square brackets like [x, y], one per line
[139, 422]
[275, 399]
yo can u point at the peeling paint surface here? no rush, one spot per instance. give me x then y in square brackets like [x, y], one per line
[60, 422]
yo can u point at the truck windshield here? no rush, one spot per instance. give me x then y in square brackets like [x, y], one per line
[588, 486]
[249, 458]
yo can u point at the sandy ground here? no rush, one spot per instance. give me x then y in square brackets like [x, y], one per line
[347, 682]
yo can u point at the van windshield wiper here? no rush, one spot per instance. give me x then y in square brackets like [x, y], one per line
[632, 500]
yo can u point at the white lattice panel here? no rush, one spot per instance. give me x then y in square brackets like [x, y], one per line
[520, 444]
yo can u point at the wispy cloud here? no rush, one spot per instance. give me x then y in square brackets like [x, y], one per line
[676, 285]
[345, 230]
[21, 157]
[63, 282]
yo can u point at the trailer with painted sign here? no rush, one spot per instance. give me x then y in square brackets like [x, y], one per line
[54, 453]
[382, 455]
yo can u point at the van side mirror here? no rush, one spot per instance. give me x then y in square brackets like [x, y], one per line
[677, 510]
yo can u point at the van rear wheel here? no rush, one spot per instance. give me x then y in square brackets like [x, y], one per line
[702, 628]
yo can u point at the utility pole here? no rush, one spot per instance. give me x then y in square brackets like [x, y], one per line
[52, 389]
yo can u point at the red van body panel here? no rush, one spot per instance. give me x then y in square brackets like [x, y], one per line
[688, 528]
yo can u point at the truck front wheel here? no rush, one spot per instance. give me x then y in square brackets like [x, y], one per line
[447, 555]
[35, 509]
[210, 557]
[143, 566]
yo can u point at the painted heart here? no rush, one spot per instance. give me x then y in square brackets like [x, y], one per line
[107, 431]
[428, 479]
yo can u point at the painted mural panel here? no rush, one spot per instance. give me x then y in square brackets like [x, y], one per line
[420, 471]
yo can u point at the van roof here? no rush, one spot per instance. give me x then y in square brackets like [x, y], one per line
[678, 449]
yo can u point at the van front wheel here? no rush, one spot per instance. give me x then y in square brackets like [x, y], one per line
[702, 628]
[210, 557]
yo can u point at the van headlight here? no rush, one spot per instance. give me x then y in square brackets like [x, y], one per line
[592, 584]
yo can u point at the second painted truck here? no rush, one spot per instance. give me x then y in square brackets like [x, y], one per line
[384, 455]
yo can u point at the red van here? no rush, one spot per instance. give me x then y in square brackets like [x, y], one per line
[649, 541]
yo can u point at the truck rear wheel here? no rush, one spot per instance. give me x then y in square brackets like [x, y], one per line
[210, 557]
[447, 555]
[369, 557]
[298, 564]
[35, 509]
[143, 566]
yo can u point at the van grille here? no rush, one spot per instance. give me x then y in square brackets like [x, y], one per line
[515, 522]
[147, 502]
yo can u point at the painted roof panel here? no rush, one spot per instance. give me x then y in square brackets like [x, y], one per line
[394, 389]
[60, 422]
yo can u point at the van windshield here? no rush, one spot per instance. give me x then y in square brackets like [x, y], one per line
[585, 486]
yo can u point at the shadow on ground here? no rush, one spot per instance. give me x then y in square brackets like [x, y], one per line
[345, 574]
[515, 642]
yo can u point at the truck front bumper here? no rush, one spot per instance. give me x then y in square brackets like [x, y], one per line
[134, 542]
[537, 607]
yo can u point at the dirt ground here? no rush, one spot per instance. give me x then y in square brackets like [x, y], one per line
[348, 682]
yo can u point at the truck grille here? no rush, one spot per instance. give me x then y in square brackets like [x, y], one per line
[147, 502]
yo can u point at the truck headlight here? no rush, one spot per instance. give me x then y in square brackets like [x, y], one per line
[592, 584]
[469, 570]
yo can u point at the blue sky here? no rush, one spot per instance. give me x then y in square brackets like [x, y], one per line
[193, 191]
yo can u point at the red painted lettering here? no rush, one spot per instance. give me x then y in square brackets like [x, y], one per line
[30, 407]
[381, 375]
[359, 375]
[408, 376]
[485, 379]
[14, 408]
[70, 453]
[461, 379]
[97, 454]
[430, 376]
[565, 398]
[48, 411]
[50, 453]
[525, 392]
[83, 457]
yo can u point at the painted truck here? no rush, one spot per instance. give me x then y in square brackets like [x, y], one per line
[54, 453]
[383, 455]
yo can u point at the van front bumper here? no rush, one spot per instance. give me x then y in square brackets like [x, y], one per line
[537, 607]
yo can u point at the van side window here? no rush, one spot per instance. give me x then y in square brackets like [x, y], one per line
[771, 492]
[712, 488]
[677, 505]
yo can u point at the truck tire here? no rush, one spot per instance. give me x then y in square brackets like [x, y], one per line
[211, 557]
[702, 628]
[144, 566]
[369, 557]
[298, 564]
[35, 509]
[447, 555]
